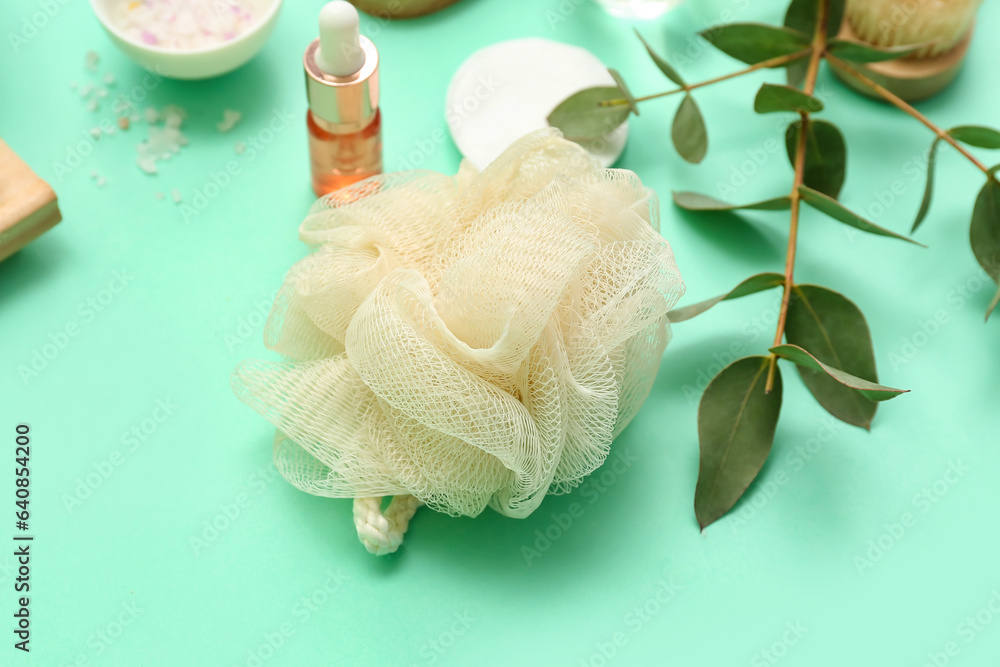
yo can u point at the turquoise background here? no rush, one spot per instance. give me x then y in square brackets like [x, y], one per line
[631, 566]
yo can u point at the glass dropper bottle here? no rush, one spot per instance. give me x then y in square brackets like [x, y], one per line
[344, 122]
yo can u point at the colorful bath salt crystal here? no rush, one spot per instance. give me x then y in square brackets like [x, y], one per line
[182, 25]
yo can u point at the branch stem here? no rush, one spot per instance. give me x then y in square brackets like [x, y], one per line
[771, 62]
[816, 54]
[904, 106]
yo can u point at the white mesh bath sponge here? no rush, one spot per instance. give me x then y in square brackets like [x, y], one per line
[465, 342]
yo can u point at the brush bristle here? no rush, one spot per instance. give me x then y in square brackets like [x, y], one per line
[902, 22]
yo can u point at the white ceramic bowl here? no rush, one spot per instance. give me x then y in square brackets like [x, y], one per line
[192, 63]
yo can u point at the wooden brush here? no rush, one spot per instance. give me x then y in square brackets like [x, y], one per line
[401, 9]
[28, 206]
[947, 24]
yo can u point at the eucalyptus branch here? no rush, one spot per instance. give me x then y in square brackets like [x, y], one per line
[902, 105]
[815, 55]
[771, 62]
[822, 332]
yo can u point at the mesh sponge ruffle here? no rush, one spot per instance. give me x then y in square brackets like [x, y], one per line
[470, 341]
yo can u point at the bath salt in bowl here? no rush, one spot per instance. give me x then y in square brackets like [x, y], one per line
[188, 39]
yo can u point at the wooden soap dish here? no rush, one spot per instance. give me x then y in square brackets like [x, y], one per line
[28, 206]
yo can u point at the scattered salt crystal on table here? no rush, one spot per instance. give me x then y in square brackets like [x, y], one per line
[174, 115]
[176, 195]
[92, 105]
[101, 92]
[229, 120]
[85, 91]
[109, 78]
[186, 24]
[90, 61]
[151, 115]
[95, 132]
[158, 195]
[72, 85]
[146, 162]
[93, 173]
[163, 141]
[101, 181]
[241, 148]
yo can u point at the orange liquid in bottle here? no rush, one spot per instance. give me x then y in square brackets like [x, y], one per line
[342, 159]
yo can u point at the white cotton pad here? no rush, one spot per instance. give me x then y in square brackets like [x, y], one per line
[507, 90]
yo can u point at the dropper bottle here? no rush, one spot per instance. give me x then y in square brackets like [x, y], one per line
[345, 126]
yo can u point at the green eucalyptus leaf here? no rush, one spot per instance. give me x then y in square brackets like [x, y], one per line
[984, 233]
[752, 285]
[870, 390]
[580, 116]
[796, 73]
[803, 14]
[694, 201]
[976, 135]
[993, 304]
[736, 424]
[837, 211]
[756, 42]
[835, 16]
[662, 64]
[826, 155]
[616, 75]
[688, 132]
[834, 330]
[771, 98]
[859, 52]
[925, 203]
